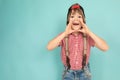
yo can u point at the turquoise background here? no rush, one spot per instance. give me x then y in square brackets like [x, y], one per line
[26, 26]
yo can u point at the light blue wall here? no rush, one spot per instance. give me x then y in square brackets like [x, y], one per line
[26, 26]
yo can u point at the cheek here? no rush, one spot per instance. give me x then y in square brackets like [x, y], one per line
[70, 19]
[81, 19]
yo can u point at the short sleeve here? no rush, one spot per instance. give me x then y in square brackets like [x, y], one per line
[91, 41]
[60, 43]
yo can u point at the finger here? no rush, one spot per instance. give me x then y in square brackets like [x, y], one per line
[82, 23]
[73, 31]
[69, 25]
[81, 31]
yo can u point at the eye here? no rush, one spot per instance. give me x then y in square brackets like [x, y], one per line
[71, 16]
[79, 16]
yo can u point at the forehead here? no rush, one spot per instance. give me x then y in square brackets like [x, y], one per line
[73, 12]
[76, 13]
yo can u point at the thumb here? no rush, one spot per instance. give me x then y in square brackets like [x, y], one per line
[72, 31]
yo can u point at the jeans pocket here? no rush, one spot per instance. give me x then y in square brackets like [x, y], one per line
[67, 75]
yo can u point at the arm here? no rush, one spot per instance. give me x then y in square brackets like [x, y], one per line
[55, 42]
[99, 42]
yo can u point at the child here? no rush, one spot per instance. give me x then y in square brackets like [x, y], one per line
[75, 42]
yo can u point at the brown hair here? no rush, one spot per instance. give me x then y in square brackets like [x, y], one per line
[80, 10]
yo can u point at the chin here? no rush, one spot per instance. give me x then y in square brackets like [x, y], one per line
[76, 28]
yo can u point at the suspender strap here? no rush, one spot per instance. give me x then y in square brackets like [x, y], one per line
[85, 44]
[66, 46]
[67, 53]
[84, 51]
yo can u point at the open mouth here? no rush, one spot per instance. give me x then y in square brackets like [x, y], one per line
[75, 24]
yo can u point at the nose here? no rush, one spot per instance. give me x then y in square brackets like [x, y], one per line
[76, 18]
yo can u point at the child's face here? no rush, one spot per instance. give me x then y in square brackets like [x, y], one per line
[75, 19]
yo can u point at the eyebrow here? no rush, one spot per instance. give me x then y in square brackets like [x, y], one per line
[74, 14]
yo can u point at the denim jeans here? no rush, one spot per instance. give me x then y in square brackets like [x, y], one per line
[77, 74]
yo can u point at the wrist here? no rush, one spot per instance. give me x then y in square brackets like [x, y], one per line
[65, 34]
[89, 33]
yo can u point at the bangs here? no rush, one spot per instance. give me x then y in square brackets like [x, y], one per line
[76, 11]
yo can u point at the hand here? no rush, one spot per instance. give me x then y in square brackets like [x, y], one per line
[84, 28]
[69, 29]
